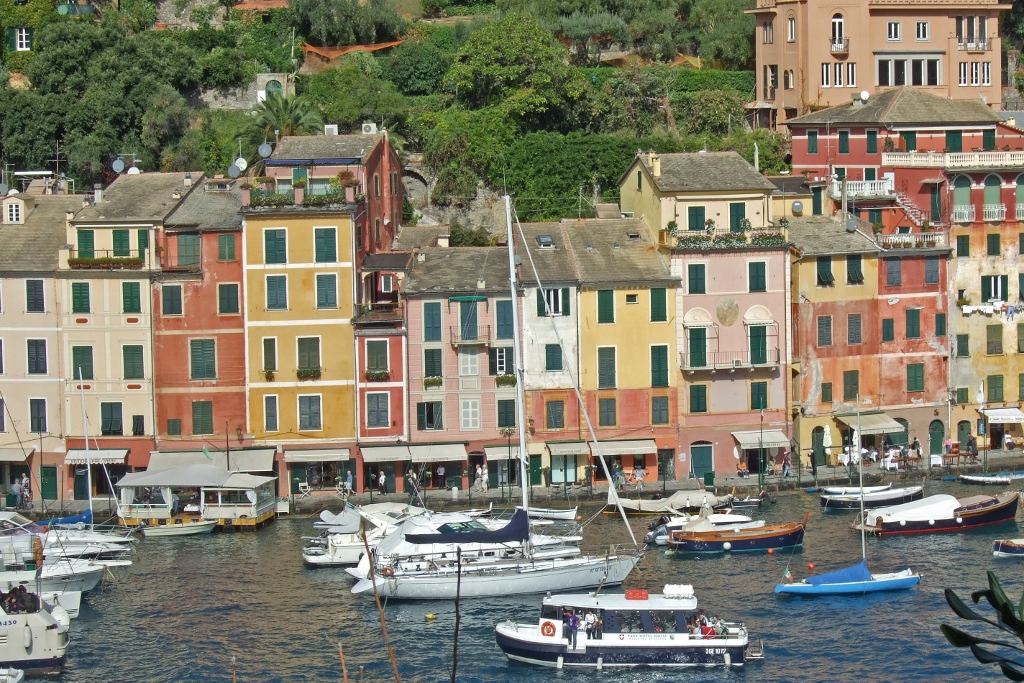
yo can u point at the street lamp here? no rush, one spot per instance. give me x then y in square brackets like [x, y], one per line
[507, 432]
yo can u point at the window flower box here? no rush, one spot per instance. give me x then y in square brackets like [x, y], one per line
[308, 373]
[377, 375]
[433, 382]
[505, 381]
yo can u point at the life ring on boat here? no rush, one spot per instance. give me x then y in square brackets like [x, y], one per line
[547, 629]
[388, 571]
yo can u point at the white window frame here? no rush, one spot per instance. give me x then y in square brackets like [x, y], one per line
[319, 348]
[298, 413]
[553, 297]
[14, 213]
[975, 73]
[503, 360]
[826, 75]
[791, 30]
[316, 293]
[387, 283]
[894, 31]
[387, 419]
[963, 74]
[922, 31]
[387, 354]
[469, 413]
[277, 413]
[22, 42]
[851, 75]
[838, 80]
[986, 73]
[469, 362]
[266, 293]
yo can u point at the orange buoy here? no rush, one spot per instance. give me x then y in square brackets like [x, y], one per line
[771, 551]
[579, 518]
[810, 565]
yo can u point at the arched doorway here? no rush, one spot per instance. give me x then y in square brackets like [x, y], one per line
[963, 431]
[818, 446]
[702, 459]
[274, 88]
[936, 433]
[962, 199]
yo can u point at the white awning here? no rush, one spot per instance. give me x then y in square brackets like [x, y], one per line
[875, 423]
[16, 454]
[439, 452]
[1004, 416]
[770, 438]
[501, 452]
[318, 455]
[242, 460]
[104, 456]
[640, 447]
[385, 453]
[569, 448]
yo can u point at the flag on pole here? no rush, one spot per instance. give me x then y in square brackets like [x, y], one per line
[207, 453]
[787, 576]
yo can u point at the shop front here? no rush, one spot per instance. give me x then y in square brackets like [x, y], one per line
[319, 469]
[568, 458]
[1005, 427]
[391, 460]
[440, 465]
[630, 455]
[872, 430]
[106, 466]
[761, 450]
[501, 462]
[15, 463]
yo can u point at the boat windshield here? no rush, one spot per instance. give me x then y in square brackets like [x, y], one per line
[462, 527]
[11, 527]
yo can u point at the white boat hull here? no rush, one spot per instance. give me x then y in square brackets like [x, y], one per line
[189, 529]
[501, 579]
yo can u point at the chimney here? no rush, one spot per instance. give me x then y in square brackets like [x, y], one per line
[655, 165]
[98, 189]
[443, 240]
[68, 217]
[481, 284]
[421, 257]
[188, 179]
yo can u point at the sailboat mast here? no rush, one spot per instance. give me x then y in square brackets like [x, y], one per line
[517, 354]
[860, 467]
[85, 431]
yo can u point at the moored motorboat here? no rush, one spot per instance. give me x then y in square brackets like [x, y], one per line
[692, 500]
[179, 527]
[709, 540]
[33, 635]
[941, 512]
[996, 479]
[661, 529]
[11, 675]
[635, 629]
[853, 490]
[852, 501]
[1008, 547]
[855, 580]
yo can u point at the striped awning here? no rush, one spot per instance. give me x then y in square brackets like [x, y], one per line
[103, 456]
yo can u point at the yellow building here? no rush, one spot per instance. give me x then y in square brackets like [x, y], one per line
[627, 342]
[299, 294]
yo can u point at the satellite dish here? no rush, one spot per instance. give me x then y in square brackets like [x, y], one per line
[118, 165]
[798, 207]
[3, 189]
[134, 170]
[241, 163]
[233, 171]
[265, 150]
[864, 95]
[851, 225]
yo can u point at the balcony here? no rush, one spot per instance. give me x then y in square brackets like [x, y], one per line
[994, 212]
[468, 336]
[915, 240]
[839, 46]
[106, 259]
[728, 360]
[963, 214]
[980, 45]
[957, 160]
[1020, 212]
[381, 312]
[864, 188]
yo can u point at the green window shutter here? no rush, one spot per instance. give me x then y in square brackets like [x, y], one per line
[851, 385]
[915, 377]
[698, 347]
[759, 395]
[737, 212]
[992, 241]
[226, 247]
[203, 359]
[988, 140]
[695, 276]
[565, 301]
[432, 321]
[909, 140]
[202, 417]
[86, 244]
[659, 366]
[171, 295]
[872, 141]
[963, 349]
[824, 267]
[556, 414]
[757, 280]
[506, 413]
[80, 297]
[12, 39]
[326, 290]
[1020, 337]
[492, 362]
[955, 141]
[606, 412]
[844, 142]
[659, 410]
[995, 387]
[826, 392]
[698, 398]
[299, 174]
[888, 330]
[188, 250]
[143, 242]
[759, 344]
[309, 353]
[376, 355]
[325, 245]
[131, 297]
[432, 366]
[1004, 287]
[133, 364]
[824, 330]
[659, 306]
[275, 246]
[812, 142]
[421, 416]
[30, 34]
[122, 243]
[853, 329]
[963, 396]
[228, 298]
[963, 246]
[277, 292]
[553, 357]
[986, 288]
[81, 362]
[913, 323]
[468, 311]
[940, 324]
[541, 306]
[695, 218]
[606, 368]
[605, 306]
[270, 354]
[503, 314]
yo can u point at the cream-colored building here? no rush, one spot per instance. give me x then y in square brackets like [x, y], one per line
[812, 55]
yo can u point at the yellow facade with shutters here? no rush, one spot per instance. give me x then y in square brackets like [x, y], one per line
[300, 348]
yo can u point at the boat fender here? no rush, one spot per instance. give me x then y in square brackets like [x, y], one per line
[903, 522]
[959, 520]
[727, 545]
[28, 638]
[728, 659]
[547, 629]
[388, 572]
[931, 522]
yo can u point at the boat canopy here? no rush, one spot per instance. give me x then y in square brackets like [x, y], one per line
[939, 506]
[998, 416]
[858, 572]
[872, 423]
[517, 529]
[193, 476]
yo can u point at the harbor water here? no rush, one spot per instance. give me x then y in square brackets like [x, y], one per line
[188, 605]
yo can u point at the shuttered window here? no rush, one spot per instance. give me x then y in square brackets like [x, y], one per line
[111, 422]
[122, 243]
[893, 272]
[80, 297]
[277, 292]
[940, 324]
[86, 244]
[825, 330]
[225, 247]
[143, 236]
[659, 366]
[131, 297]
[173, 427]
[851, 385]
[696, 218]
[270, 413]
[826, 392]
[432, 321]
[270, 354]
[203, 354]
[552, 357]
[931, 270]
[698, 347]
[377, 355]
[605, 306]
[606, 412]
[188, 250]
[963, 246]
[698, 398]
[275, 249]
[81, 362]
[758, 344]
[759, 395]
[227, 296]
[888, 330]
[913, 323]
[202, 417]
[503, 314]
[853, 328]
[915, 377]
[695, 278]
[963, 349]
[35, 302]
[429, 415]
[995, 287]
[995, 387]
[36, 356]
[432, 364]
[854, 270]
[737, 212]
[994, 340]
[378, 410]
[171, 295]
[659, 410]
[468, 320]
[131, 356]
[824, 266]
[309, 353]
[659, 307]
[872, 141]
[757, 280]
[326, 290]
[844, 142]
[606, 368]
[309, 413]
[506, 414]
[555, 414]
[812, 142]
[37, 415]
[325, 245]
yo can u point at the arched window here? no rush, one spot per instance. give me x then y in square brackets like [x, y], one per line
[274, 88]
[992, 185]
[837, 28]
[962, 191]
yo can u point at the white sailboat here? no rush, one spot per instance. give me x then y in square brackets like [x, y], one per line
[527, 569]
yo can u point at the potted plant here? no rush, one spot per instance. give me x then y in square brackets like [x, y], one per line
[546, 473]
[505, 381]
[672, 227]
[377, 375]
[308, 373]
[709, 226]
[877, 228]
[888, 145]
[745, 225]
[268, 375]
[432, 382]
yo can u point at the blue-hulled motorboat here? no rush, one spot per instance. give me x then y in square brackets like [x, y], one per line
[941, 512]
[739, 540]
[855, 580]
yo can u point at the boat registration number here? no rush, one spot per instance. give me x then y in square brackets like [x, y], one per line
[715, 651]
[8, 622]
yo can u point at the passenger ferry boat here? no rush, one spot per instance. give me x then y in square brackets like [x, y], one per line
[632, 629]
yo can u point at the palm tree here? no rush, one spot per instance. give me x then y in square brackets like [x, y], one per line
[290, 115]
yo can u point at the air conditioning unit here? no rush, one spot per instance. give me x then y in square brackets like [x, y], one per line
[369, 129]
[331, 129]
